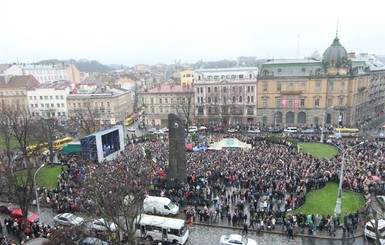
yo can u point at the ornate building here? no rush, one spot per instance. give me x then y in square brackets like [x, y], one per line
[302, 92]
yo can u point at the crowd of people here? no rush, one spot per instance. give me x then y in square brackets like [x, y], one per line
[272, 180]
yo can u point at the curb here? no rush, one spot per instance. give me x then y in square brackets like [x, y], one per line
[279, 233]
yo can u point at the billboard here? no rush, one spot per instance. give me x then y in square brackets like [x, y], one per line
[103, 145]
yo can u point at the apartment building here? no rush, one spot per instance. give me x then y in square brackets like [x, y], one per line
[46, 73]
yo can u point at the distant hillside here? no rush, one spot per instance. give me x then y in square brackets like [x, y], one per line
[83, 65]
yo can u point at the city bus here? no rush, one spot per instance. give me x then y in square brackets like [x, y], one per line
[346, 132]
[59, 143]
[161, 228]
[130, 120]
[36, 149]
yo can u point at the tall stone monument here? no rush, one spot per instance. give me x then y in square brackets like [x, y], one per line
[177, 169]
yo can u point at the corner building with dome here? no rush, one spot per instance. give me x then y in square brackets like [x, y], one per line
[300, 91]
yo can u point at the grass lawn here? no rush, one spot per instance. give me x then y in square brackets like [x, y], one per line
[323, 201]
[47, 176]
[319, 150]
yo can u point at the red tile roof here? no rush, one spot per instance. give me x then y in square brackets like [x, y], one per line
[24, 82]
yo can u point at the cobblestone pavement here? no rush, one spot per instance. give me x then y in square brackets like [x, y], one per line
[203, 235]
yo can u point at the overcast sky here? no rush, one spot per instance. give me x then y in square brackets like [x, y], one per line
[160, 31]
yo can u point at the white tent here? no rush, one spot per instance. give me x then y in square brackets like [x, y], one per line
[230, 143]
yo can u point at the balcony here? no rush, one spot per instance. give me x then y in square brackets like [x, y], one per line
[291, 92]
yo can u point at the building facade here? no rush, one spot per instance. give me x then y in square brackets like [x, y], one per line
[159, 101]
[303, 92]
[111, 106]
[187, 77]
[226, 92]
[49, 101]
[53, 72]
[13, 91]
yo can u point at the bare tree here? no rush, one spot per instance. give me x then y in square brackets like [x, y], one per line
[225, 103]
[184, 106]
[118, 191]
[19, 186]
[87, 119]
[48, 128]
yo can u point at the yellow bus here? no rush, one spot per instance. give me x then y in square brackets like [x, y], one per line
[346, 132]
[59, 143]
[36, 149]
[130, 120]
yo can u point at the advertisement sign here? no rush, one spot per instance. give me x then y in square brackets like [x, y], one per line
[296, 103]
[284, 102]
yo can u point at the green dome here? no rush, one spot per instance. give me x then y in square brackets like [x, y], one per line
[335, 55]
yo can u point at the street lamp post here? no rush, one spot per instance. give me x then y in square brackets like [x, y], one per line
[337, 209]
[37, 197]
[323, 123]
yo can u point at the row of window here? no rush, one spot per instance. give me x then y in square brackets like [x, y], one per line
[86, 104]
[49, 78]
[33, 72]
[11, 93]
[217, 77]
[46, 97]
[234, 111]
[234, 99]
[47, 105]
[317, 87]
[234, 89]
[48, 114]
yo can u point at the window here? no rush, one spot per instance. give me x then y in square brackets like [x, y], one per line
[240, 76]
[160, 101]
[250, 75]
[209, 77]
[240, 99]
[61, 97]
[108, 104]
[318, 87]
[264, 86]
[316, 102]
[330, 102]
[240, 89]
[166, 101]
[264, 102]
[278, 102]
[279, 86]
[30, 97]
[58, 105]
[201, 90]
[160, 109]
[209, 99]
[291, 86]
[331, 86]
[252, 99]
[342, 85]
[197, 90]
[46, 97]
[234, 89]
[234, 99]
[341, 101]
[290, 103]
[250, 110]
[302, 102]
[51, 97]
[279, 70]
[215, 99]
[57, 97]
[215, 89]
[303, 69]
[209, 89]
[224, 90]
[152, 100]
[216, 78]
[233, 76]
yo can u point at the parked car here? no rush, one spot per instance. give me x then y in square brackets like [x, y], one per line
[17, 215]
[290, 130]
[370, 230]
[68, 219]
[165, 129]
[309, 131]
[254, 131]
[151, 130]
[381, 200]
[103, 225]
[193, 129]
[158, 132]
[131, 129]
[202, 128]
[232, 130]
[235, 239]
[275, 130]
[91, 241]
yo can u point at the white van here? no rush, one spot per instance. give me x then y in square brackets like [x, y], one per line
[160, 206]
[290, 130]
[371, 232]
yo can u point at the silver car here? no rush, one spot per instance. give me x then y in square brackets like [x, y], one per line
[68, 219]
